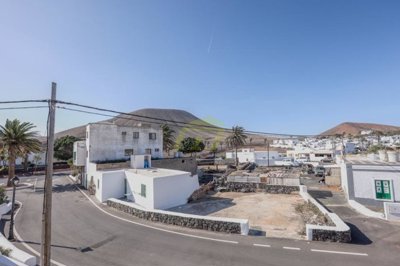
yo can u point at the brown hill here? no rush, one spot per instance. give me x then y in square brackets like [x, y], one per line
[193, 126]
[356, 128]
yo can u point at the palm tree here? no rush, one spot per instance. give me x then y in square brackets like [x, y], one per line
[18, 138]
[168, 138]
[236, 139]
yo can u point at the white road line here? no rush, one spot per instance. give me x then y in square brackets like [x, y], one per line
[262, 245]
[22, 241]
[339, 252]
[153, 227]
[291, 248]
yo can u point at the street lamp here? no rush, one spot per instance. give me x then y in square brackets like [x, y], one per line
[15, 182]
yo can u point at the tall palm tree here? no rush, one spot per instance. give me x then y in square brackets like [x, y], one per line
[168, 138]
[236, 139]
[18, 138]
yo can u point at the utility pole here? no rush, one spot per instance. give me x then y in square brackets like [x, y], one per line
[48, 184]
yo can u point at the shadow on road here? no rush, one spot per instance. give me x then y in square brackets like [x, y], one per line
[55, 246]
[358, 237]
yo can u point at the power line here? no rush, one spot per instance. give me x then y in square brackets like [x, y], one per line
[25, 101]
[23, 107]
[176, 122]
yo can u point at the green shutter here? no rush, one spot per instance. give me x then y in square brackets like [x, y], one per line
[382, 189]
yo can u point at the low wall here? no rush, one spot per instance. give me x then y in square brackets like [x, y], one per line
[107, 166]
[6, 261]
[256, 187]
[226, 225]
[5, 208]
[339, 233]
[364, 210]
[188, 164]
[17, 254]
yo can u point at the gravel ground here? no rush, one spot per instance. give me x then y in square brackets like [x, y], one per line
[271, 214]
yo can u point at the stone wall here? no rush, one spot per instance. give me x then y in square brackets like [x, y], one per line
[183, 164]
[331, 236]
[260, 187]
[232, 226]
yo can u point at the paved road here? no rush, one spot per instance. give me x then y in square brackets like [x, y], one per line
[84, 235]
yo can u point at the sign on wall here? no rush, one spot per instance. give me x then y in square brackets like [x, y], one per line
[382, 189]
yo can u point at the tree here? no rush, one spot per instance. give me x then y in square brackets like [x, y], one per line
[168, 138]
[191, 145]
[64, 147]
[214, 149]
[236, 139]
[18, 138]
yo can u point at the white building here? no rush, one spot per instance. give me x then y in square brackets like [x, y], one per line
[109, 142]
[151, 188]
[371, 182]
[313, 155]
[251, 155]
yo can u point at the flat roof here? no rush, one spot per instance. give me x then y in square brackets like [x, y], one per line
[156, 172]
[371, 162]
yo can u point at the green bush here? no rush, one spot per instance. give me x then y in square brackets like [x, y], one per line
[5, 251]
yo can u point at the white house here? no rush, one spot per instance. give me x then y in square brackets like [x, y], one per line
[371, 182]
[251, 155]
[151, 188]
[313, 155]
[110, 142]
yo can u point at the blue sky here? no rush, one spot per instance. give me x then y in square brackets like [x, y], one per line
[296, 67]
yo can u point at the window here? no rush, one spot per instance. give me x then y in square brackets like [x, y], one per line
[147, 151]
[157, 150]
[123, 136]
[128, 152]
[135, 135]
[143, 190]
[152, 136]
[74, 155]
[383, 190]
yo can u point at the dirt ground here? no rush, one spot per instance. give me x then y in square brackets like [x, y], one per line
[272, 215]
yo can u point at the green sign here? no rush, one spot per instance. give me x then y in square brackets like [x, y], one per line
[382, 189]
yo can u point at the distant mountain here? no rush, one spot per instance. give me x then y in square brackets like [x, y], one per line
[193, 126]
[356, 128]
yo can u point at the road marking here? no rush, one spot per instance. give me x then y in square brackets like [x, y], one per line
[22, 241]
[292, 248]
[153, 227]
[339, 252]
[262, 245]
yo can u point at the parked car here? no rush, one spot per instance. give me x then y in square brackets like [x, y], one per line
[327, 160]
[319, 171]
[287, 162]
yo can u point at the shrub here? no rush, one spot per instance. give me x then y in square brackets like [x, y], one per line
[5, 251]
[3, 196]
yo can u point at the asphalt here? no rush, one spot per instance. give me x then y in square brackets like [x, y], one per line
[83, 234]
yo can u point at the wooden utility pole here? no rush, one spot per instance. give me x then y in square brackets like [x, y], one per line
[48, 184]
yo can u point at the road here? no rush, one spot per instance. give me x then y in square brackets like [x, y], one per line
[94, 235]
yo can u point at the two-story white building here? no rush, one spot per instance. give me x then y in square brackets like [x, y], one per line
[107, 142]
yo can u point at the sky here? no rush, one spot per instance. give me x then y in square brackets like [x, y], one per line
[294, 67]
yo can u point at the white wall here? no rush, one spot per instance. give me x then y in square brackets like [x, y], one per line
[79, 158]
[106, 142]
[249, 155]
[364, 176]
[112, 185]
[174, 190]
[134, 185]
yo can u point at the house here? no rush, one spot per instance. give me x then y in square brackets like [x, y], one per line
[107, 142]
[261, 157]
[313, 155]
[149, 187]
[371, 183]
